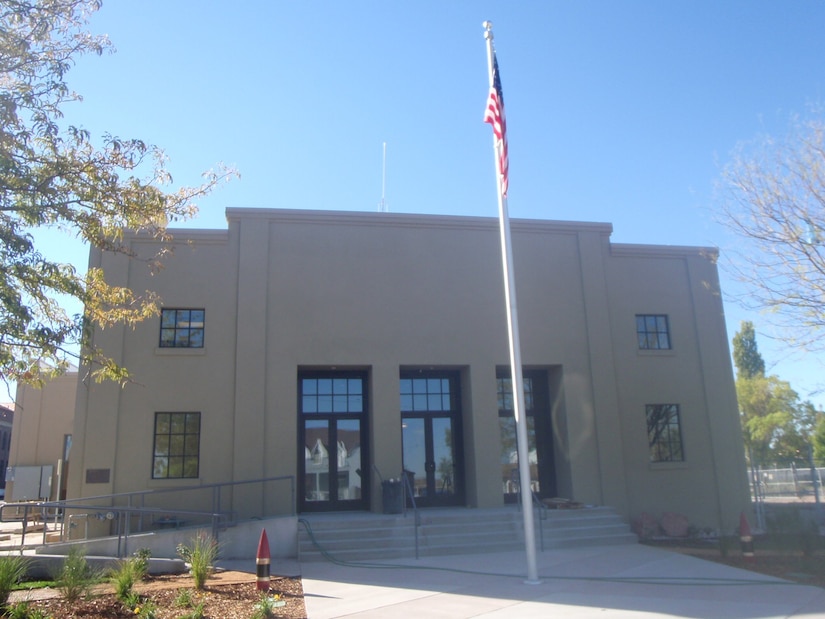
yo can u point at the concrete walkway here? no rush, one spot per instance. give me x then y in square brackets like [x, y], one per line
[626, 581]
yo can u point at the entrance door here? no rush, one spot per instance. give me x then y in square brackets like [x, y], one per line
[539, 435]
[431, 433]
[333, 431]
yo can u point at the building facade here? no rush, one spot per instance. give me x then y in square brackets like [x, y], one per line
[41, 439]
[346, 348]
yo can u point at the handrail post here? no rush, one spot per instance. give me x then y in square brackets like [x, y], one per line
[417, 521]
[540, 512]
[25, 522]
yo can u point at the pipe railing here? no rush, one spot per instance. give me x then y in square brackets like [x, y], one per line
[405, 479]
[121, 515]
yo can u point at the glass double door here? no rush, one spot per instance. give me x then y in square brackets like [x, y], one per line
[333, 430]
[431, 437]
[539, 436]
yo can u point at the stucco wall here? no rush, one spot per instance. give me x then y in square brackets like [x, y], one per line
[291, 290]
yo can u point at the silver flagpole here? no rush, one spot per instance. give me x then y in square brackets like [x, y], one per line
[517, 380]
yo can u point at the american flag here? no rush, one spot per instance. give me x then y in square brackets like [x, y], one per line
[494, 114]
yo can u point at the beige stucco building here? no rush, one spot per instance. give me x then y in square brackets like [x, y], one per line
[342, 348]
[41, 439]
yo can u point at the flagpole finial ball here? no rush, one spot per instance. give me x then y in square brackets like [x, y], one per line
[488, 25]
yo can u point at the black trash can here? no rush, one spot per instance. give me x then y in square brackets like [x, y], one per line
[392, 495]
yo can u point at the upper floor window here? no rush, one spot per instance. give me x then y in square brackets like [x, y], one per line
[664, 433]
[652, 332]
[181, 328]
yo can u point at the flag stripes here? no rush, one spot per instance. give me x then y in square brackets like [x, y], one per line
[494, 114]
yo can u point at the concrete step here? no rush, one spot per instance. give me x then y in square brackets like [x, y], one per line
[370, 537]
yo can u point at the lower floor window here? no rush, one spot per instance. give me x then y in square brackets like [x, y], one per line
[177, 445]
[664, 433]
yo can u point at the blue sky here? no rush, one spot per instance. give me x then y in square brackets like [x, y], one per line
[620, 112]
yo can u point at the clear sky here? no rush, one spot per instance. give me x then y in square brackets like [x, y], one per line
[618, 111]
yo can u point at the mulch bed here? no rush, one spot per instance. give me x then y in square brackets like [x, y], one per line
[227, 595]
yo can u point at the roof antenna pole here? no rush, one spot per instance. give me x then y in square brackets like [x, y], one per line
[382, 206]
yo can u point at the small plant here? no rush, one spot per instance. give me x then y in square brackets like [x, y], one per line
[132, 601]
[76, 576]
[128, 572]
[140, 562]
[197, 612]
[123, 579]
[22, 610]
[12, 570]
[200, 556]
[184, 599]
[146, 610]
[265, 608]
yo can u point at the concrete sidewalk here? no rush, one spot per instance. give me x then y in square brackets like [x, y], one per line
[610, 581]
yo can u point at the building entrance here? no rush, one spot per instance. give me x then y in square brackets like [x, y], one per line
[431, 436]
[333, 461]
[539, 435]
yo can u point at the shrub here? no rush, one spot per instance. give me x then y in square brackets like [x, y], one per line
[140, 562]
[200, 556]
[184, 598]
[76, 577]
[22, 610]
[128, 572]
[12, 570]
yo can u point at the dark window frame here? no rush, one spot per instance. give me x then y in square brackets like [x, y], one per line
[653, 332]
[334, 397]
[174, 450]
[664, 433]
[179, 327]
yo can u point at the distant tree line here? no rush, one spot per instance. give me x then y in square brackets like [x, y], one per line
[778, 427]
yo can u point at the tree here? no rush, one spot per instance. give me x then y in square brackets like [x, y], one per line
[819, 440]
[746, 357]
[55, 176]
[773, 198]
[776, 427]
[795, 438]
[767, 408]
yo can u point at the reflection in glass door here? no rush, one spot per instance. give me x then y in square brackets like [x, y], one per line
[332, 413]
[430, 418]
[539, 436]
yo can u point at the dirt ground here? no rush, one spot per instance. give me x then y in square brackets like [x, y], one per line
[227, 595]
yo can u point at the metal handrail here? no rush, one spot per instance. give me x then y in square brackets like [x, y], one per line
[541, 510]
[405, 479]
[216, 487]
[124, 512]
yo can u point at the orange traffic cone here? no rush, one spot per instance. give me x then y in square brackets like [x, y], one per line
[262, 562]
[745, 537]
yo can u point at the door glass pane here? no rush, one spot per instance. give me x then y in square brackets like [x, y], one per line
[509, 455]
[443, 456]
[316, 464]
[415, 457]
[348, 456]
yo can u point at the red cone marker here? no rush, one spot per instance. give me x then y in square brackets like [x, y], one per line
[262, 563]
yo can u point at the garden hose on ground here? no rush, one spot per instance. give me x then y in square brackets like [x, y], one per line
[680, 581]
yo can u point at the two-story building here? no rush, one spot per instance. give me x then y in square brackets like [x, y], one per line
[342, 348]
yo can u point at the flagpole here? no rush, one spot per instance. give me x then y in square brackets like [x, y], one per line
[517, 380]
